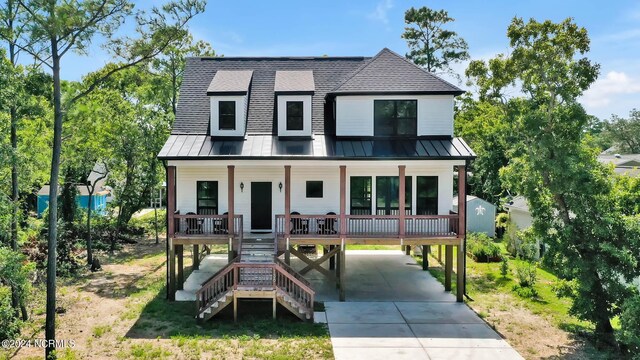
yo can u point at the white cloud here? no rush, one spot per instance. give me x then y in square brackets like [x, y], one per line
[381, 11]
[606, 90]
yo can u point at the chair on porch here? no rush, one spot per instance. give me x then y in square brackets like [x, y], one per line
[194, 226]
[221, 226]
[299, 226]
[327, 226]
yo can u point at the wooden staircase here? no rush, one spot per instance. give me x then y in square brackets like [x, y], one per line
[257, 273]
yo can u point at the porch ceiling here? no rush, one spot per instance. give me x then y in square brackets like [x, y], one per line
[192, 147]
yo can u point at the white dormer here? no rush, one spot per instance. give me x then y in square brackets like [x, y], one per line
[294, 90]
[229, 96]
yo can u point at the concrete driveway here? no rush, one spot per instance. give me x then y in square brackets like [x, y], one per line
[394, 310]
[412, 330]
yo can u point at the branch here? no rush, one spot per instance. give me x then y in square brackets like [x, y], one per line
[27, 50]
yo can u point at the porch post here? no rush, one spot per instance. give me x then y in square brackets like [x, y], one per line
[196, 257]
[462, 231]
[425, 257]
[231, 209]
[343, 231]
[180, 253]
[401, 206]
[448, 266]
[287, 213]
[171, 209]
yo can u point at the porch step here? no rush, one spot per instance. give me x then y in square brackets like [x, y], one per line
[257, 250]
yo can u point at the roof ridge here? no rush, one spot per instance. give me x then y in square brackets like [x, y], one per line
[423, 69]
[362, 67]
[275, 58]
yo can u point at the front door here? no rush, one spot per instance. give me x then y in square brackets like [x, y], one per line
[260, 206]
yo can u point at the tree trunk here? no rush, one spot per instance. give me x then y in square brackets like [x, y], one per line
[90, 189]
[50, 324]
[155, 214]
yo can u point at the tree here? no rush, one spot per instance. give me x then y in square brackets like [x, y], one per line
[55, 28]
[623, 133]
[553, 165]
[430, 44]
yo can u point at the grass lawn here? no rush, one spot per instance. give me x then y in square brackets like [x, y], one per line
[121, 313]
[537, 327]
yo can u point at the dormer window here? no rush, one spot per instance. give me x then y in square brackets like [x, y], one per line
[294, 91]
[227, 115]
[295, 115]
[395, 117]
[229, 95]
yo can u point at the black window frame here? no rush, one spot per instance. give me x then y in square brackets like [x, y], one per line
[214, 195]
[295, 122]
[395, 120]
[427, 204]
[366, 194]
[385, 186]
[315, 193]
[224, 118]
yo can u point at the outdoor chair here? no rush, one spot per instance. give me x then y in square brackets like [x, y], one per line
[221, 226]
[194, 225]
[327, 226]
[299, 226]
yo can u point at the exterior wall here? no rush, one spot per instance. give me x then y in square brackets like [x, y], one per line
[241, 115]
[354, 114]
[99, 203]
[189, 172]
[522, 219]
[477, 221]
[282, 115]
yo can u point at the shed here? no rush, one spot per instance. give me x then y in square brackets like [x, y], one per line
[98, 202]
[481, 215]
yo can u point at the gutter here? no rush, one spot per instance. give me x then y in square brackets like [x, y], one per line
[166, 218]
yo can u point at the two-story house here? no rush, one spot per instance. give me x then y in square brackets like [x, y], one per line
[322, 151]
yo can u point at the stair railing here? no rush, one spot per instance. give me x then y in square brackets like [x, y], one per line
[214, 288]
[293, 287]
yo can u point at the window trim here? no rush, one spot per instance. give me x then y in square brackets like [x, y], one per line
[290, 118]
[315, 196]
[220, 115]
[395, 119]
[368, 196]
[216, 197]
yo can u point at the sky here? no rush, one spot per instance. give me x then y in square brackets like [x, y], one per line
[362, 28]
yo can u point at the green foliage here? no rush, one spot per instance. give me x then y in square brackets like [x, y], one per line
[147, 222]
[624, 133]
[553, 164]
[9, 322]
[482, 247]
[504, 266]
[502, 220]
[630, 325]
[565, 288]
[431, 45]
[14, 274]
[527, 274]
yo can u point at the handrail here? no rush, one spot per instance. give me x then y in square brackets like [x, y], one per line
[291, 271]
[216, 286]
[202, 224]
[293, 287]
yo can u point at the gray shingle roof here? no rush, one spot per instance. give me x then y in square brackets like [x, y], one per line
[226, 81]
[320, 147]
[385, 72]
[294, 82]
[388, 72]
[193, 107]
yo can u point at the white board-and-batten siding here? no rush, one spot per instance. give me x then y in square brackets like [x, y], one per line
[188, 173]
[354, 114]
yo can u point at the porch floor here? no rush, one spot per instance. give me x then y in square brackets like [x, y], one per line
[371, 275]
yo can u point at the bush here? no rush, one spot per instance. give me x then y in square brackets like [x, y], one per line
[527, 274]
[9, 323]
[14, 271]
[525, 292]
[146, 222]
[504, 267]
[482, 247]
[521, 244]
[630, 325]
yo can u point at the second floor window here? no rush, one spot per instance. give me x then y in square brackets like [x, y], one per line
[395, 117]
[227, 115]
[294, 115]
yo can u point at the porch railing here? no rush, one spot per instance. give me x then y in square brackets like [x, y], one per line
[386, 226]
[198, 224]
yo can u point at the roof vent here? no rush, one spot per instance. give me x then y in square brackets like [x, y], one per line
[618, 156]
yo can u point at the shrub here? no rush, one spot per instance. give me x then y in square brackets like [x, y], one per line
[482, 247]
[504, 267]
[630, 325]
[14, 271]
[525, 292]
[9, 323]
[521, 244]
[527, 274]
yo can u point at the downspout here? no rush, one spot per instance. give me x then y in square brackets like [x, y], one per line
[166, 219]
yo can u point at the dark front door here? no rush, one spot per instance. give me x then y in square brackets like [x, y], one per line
[261, 206]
